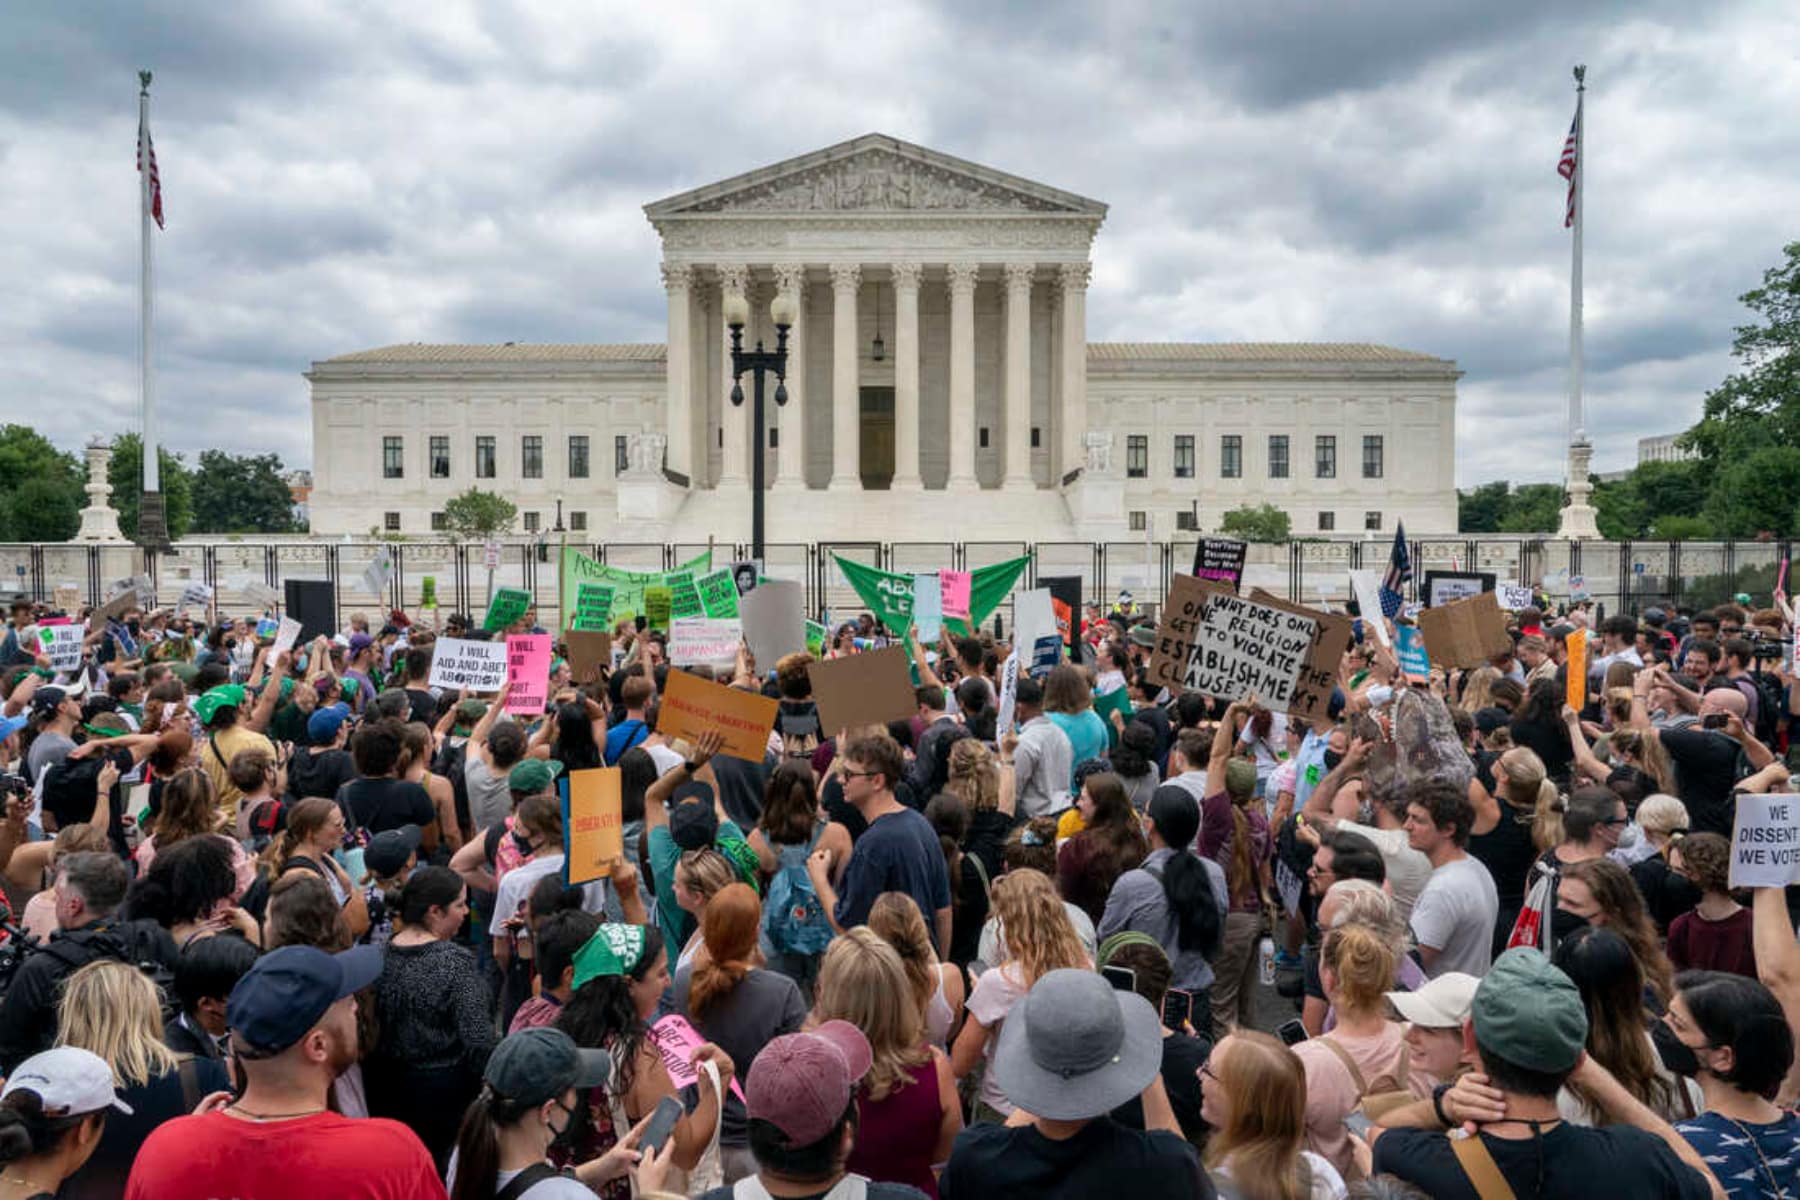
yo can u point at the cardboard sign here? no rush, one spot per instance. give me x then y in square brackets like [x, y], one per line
[745, 576]
[1414, 659]
[62, 645]
[114, 609]
[928, 608]
[457, 663]
[1441, 587]
[589, 650]
[260, 594]
[195, 595]
[658, 605]
[1245, 648]
[528, 670]
[593, 606]
[1175, 632]
[863, 689]
[1465, 633]
[68, 599]
[1576, 669]
[774, 621]
[718, 593]
[692, 705]
[593, 824]
[684, 597]
[287, 632]
[1220, 560]
[1367, 587]
[1513, 598]
[140, 584]
[1065, 594]
[1765, 840]
[1009, 696]
[704, 640]
[676, 1040]
[954, 592]
[506, 608]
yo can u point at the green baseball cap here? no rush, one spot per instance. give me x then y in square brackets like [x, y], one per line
[230, 695]
[1240, 778]
[534, 775]
[1530, 1013]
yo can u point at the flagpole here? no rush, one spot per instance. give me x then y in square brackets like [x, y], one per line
[152, 532]
[1578, 517]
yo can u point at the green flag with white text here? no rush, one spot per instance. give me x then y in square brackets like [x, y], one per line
[890, 596]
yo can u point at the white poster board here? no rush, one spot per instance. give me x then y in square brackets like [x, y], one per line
[1243, 648]
[774, 621]
[62, 645]
[458, 663]
[1367, 586]
[1009, 695]
[704, 640]
[1765, 840]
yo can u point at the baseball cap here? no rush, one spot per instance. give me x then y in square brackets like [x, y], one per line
[388, 851]
[535, 1065]
[693, 824]
[325, 722]
[533, 775]
[1443, 1003]
[470, 712]
[803, 1083]
[1530, 1013]
[45, 699]
[230, 695]
[68, 1082]
[1491, 718]
[285, 993]
[1143, 635]
[1240, 778]
[1174, 815]
[12, 725]
[360, 642]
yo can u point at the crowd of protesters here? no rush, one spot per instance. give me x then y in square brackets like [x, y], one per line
[298, 924]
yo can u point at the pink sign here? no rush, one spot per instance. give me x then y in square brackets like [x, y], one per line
[528, 669]
[955, 587]
[676, 1041]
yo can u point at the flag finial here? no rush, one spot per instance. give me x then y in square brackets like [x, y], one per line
[1580, 77]
[143, 83]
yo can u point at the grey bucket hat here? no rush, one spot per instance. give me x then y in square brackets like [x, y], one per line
[1075, 1048]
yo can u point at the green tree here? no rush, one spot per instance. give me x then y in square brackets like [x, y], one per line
[1681, 529]
[126, 474]
[40, 488]
[479, 514]
[1755, 492]
[1760, 404]
[241, 494]
[1264, 523]
[1480, 509]
[1533, 508]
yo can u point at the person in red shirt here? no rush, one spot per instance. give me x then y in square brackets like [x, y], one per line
[293, 1030]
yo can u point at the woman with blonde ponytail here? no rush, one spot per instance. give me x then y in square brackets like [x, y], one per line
[1507, 841]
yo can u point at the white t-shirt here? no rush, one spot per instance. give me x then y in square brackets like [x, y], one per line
[665, 758]
[516, 884]
[1407, 869]
[1455, 915]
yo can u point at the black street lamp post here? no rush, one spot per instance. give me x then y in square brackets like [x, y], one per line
[758, 362]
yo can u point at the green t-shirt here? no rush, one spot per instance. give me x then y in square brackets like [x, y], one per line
[676, 923]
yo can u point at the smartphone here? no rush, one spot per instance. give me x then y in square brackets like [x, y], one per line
[1358, 1124]
[1178, 1009]
[1714, 721]
[669, 1110]
[1123, 979]
[1291, 1032]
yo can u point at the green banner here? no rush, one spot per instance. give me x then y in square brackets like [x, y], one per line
[815, 638]
[1118, 700]
[628, 586]
[890, 596]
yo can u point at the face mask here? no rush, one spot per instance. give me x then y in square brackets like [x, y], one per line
[1676, 1054]
[522, 842]
[561, 1138]
[1565, 924]
[1332, 759]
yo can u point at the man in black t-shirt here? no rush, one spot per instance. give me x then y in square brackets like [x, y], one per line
[377, 800]
[1707, 758]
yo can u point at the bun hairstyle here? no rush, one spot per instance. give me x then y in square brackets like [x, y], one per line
[1364, 963]
[25, 1130]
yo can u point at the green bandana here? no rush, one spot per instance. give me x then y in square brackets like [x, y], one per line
[230, 695]
[743, 857]
[613, 950]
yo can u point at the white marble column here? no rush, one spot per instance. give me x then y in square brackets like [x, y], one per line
[962, 377]
[1073, 278]
[906, 376]
[678, 407]
[846, 399]
[790, 418]
[1018, 376]
[734, 462]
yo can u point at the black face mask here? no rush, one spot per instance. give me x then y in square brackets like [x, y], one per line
[1332, 759]
[522, 842]
[561, 1138]
[1565, 924]
[1676, 1054]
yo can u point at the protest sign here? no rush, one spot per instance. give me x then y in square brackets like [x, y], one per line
[260, 595]
[267, 628]
[1765, 840]
[1175, 632]
[1046, 652]
[928, 608]
[718, 593]
[1414, 660]
[1367, 587]
[676, 1040]
[67, 599]
[1033, 617]
[704, 640]
[140, 585]
[1579, 589]
[1465, 633]
[589, 650]
[1441, 587]
[1576, 667]
[593, 824]
[528, 671]
[379, 573]
[1243, 648]
[953, 588]
[1065, 604]
[1318, 672]
[628, 586]
[692, 705]
[815, 637]
[62, 645]
[457, 663]
[744, 575]
[1513, 597]
[658, 605]
[593, 605]
[684, 597]
[863, 689]
[195, 595]
[1220, 560]
[490, 555]
[1009, 695]
[890, 596]
[114, 609]
[505, 609]
[287, 632]
[774, 621]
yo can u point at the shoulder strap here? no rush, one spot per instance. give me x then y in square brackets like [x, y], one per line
[212, 743]
[1477, 1162]
[530, 1177]
[981, 870]
[190, 1083]
[1356, 1075]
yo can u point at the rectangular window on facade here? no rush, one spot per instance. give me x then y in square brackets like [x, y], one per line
[1325, 456]
[1184, 456]
[774, 438]
[531, 522]
[1140, 520]
[531, 456]
[484, 457]
[1036, 437]
[1137, 456]
[1372, 456]
[1278, 456]
[578, 522]
[1231, 456]
[621, 456]
[391, 522]
[578, 456]
[440, 456]
[393, 464]
[1185, 521]
[984, 437]
[1327, 522]
[1372, 520]
[438, 523]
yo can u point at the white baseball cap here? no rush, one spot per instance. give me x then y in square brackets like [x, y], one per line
[68, 1081]
[1444, 1003]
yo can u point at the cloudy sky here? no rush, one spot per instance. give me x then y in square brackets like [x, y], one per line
[345, 175]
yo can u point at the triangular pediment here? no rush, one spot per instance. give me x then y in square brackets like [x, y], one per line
[875, 174]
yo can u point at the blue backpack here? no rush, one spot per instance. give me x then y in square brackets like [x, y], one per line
[792, 915]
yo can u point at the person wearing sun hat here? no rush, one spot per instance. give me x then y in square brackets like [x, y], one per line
[1070, 1052]
[52, 1113]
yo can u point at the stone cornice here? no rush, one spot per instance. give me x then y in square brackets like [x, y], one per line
[765, 240]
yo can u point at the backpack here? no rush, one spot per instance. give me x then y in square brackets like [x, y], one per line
[793, 917]
[1771, 702]
[448, 763]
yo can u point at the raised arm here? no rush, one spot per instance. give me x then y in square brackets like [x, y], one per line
[1224, 738]
[1778, 966]
[270, 696]
[656, 798]
[1585, 761]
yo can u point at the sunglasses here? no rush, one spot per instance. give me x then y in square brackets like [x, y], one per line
[860, 774]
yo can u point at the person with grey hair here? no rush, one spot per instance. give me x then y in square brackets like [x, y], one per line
[89, 889]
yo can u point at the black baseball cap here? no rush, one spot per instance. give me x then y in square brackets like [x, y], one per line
[388, 851]
[693, 825]
[285, 993]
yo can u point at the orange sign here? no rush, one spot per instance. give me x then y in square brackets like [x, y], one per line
[593, 825]
[1577, 668]
[692, 705]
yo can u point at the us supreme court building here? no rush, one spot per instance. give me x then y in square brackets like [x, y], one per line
[941, 387]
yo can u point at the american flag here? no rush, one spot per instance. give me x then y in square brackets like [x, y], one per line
[147, 149]
[1399, 570]
[1567, 165]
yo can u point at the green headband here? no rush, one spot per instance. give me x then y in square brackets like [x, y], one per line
[1122, 939]
[613, 950]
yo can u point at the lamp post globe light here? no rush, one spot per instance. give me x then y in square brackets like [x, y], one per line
[759, 363]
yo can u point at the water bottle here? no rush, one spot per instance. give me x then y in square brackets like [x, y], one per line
[1265, 951]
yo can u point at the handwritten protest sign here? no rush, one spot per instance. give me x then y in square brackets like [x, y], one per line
[1414, 660]
[528, 670]
[718, 593]
[506, 608]
[1576, 668]
[676, 1040]
[774, 621]
[692, 705]
[1367, 586]
[195, 595]
[684, 597]
[1513, 597]
[1465, 633]
[658, 605]
[458, 663]
[114, 609]
[593, 824]
[589, 650]
[287, 632]
[62, 645]
[863, 689]
[593, 605]
[954, 591]
[1765, 840]
[260, 595]
[704, 640]
[68, 599]
[1175, 632]
[1220, 560]
[1242, 648]
[1009, 695]
[928, 608]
